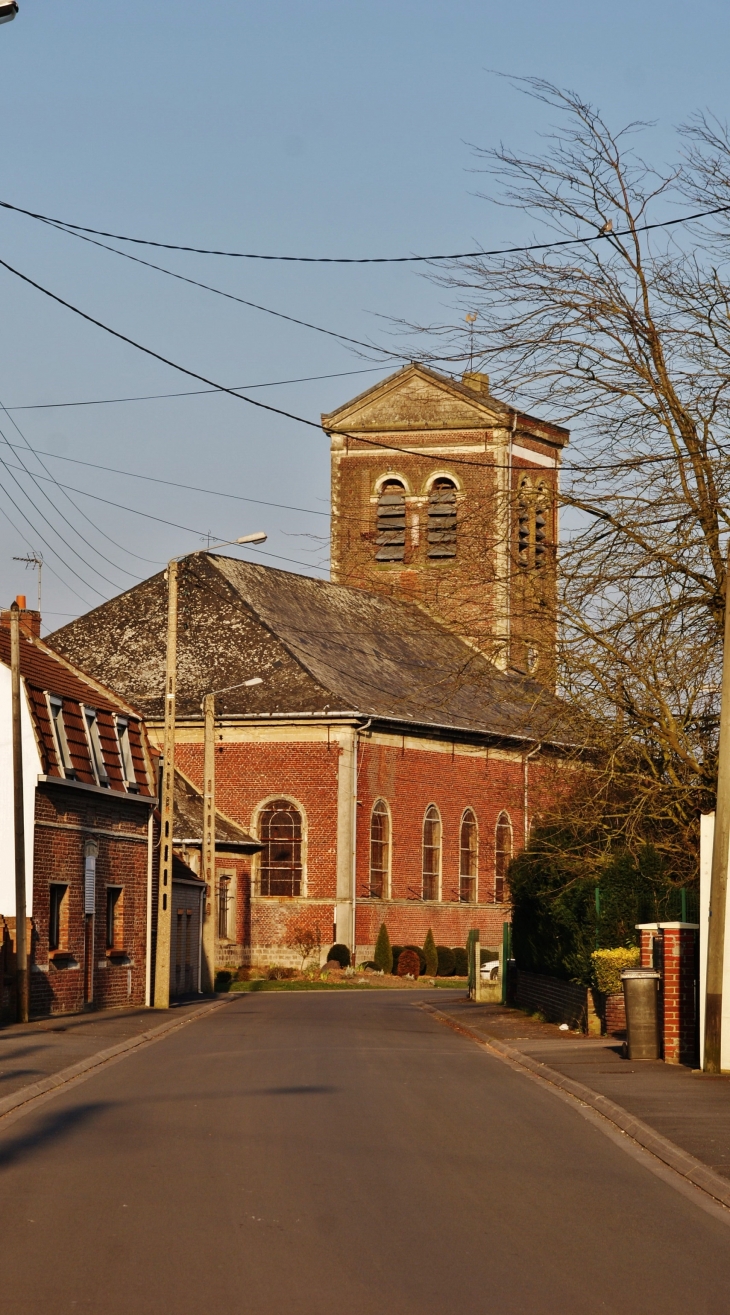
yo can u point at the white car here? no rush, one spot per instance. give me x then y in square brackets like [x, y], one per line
[490, 970]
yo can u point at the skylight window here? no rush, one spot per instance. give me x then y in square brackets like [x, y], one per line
[63, 753]
[95, 750]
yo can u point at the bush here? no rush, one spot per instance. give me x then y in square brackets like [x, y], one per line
[557, 922]
[607, 965]
[371, 964]
[446, 961]
[421, 956]
[279, 974]
[243, 975]
[430, 954]
[461, 961]
[223, 980]
[383, 953]
[341, 954]
[397, 952]
[409, 964]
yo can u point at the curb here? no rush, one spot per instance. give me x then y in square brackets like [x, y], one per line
[86, 1067]
[680, 1161]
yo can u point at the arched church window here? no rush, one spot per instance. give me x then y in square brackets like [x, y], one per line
[502, 855]
[379, 849]
[280, 832]
[468, 851]
[391, 523]
[431, 853]
[524, 528]
[442, 519]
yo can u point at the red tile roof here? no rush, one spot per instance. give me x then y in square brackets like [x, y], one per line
[45, 672]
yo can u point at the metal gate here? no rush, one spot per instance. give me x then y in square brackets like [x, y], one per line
[185, 937]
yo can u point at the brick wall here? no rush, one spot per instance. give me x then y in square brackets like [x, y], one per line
[615, 1015]
[66, 819]
[409, 775]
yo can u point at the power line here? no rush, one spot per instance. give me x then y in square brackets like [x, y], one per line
[171, 483]
[195, 392]
[126, 255]
[366, 260]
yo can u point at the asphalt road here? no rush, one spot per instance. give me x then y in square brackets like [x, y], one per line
[313, 1153]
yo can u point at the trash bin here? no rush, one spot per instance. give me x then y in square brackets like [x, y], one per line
[642, 1014]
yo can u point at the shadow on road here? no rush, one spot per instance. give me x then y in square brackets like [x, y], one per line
[49, 1129]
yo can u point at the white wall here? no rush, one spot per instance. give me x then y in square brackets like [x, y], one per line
[32, 768]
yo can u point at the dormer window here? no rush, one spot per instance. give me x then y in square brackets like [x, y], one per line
[391, 536]
[63, 754]
[95, 750]
[125, 753]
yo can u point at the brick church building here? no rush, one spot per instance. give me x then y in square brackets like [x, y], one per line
[405, 730]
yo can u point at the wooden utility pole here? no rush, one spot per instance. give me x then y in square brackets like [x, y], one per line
[718, 879]
[167, 802]
[21, 945]
[208, 861]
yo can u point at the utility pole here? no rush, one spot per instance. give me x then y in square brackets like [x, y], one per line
[718, 879]
[208, 864]
[21, 945]
[167, 802]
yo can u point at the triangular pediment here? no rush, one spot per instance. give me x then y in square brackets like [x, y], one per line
[416, 399]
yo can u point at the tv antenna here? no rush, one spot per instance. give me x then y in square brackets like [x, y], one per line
[33, 560]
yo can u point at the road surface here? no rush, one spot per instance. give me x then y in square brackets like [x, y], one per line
[324, 1152]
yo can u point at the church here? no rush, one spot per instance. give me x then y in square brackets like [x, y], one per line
[404, 728]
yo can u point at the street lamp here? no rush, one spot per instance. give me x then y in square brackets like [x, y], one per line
[8, 10]
[208, 868]
[167, 801]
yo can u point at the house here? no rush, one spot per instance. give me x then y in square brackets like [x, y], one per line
[404, 732]
[88, 800]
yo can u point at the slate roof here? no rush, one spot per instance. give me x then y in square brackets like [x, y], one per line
[43, 671]
[188, 824]
[318, 647]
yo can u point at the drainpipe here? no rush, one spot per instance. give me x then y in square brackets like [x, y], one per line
[508, 609]
[150, 860]
[358, 731]
[525, 761]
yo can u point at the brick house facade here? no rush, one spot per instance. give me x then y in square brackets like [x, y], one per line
[89, 844]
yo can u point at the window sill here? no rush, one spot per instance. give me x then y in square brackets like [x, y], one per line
[116, 953]
[61, 954]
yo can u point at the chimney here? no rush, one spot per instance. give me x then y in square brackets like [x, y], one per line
[30, 621]
[479, 383]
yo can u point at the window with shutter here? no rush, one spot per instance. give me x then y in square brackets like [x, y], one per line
[442, 520]
[391, 525]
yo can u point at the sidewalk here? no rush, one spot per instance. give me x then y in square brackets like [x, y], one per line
[652, 1102]
[38, 1057]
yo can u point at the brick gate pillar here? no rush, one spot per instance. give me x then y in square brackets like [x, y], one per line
[678, 987]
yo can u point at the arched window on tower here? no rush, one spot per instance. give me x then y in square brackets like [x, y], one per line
[280, 832]
[524, 525]
[391, 524]
[532, 525]
[431, 853]
[442, 520]
[468, 858]
[502, 855]
[379, 849]
[541, 525]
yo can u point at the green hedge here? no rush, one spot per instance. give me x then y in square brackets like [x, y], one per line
[557, 921]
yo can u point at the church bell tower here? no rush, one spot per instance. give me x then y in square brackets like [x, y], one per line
[445, 497]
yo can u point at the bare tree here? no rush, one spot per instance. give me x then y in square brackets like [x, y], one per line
[626, 338]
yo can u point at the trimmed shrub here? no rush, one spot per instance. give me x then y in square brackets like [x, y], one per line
[607, 965]
[223, 980]
[461, 961]
[421, 956]
[341, 954]
[409, 964]
[397, 952]
[383, 953]
[446, 961]
[430, 954]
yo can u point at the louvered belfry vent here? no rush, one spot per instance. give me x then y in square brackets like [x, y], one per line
[391, 536]
[442, 520]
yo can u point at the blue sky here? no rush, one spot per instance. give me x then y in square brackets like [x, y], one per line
[315, 129]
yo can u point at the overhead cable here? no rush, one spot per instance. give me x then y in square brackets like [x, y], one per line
[368, 260]
[194, 392]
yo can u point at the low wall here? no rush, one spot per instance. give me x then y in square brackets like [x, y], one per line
[557, 1001]
[615, 1015]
